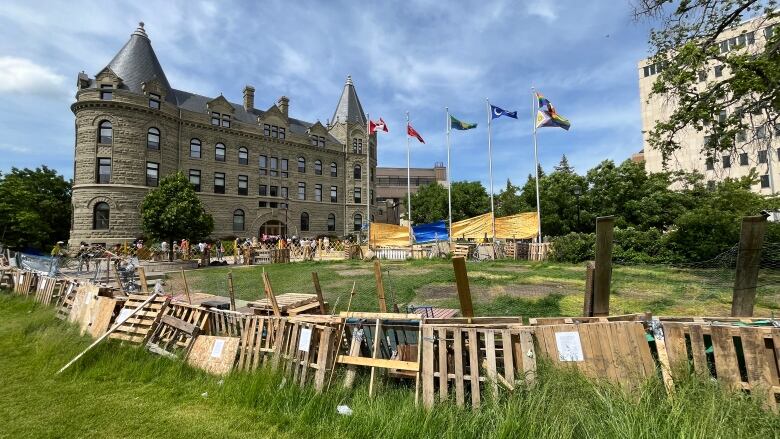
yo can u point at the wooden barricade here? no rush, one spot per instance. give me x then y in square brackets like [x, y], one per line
[577, 320]
[48, 289]
[136, 328]
[538, 252]
[24, 282]
[224, 323]
[617, 351]
[304, 351]
[744, 358]
[6, 277]
[288, 304]
[465, 360]
[65, 302]
[460, 251]
[258, 341]
[190, 314]
[172, 337]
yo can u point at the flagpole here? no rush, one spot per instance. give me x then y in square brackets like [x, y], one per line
[408, 181]
[490, 168]
[449, 171]
[536, 167]
[368, 182]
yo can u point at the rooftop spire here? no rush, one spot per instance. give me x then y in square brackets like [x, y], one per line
[349, 108]
[140, 31]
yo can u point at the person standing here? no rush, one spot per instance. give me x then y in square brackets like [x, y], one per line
[164, 250]
[220, 250]
[236, 250]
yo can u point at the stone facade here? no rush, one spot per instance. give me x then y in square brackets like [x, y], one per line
[132, 94]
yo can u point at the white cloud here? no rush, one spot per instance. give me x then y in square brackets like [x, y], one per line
[543, 9]
[23, 76]
[14, 148]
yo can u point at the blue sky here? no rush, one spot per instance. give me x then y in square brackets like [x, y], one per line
[417, 56]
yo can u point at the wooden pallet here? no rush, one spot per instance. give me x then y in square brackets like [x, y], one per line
[6, 277]
[137, 328]
[24, 282]
[225, 323]
[289, 304]
[577, 320]
[466, 360]
[461, 251]
[215, 355]
[758, 347]
[48, 289]
[302, 347]
[172, 337]
[190, 314]
[65, 303]
[617, 351]
[258, 341]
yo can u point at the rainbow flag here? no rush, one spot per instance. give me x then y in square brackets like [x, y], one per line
[548, 117]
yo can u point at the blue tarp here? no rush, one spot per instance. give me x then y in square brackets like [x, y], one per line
[430, 232]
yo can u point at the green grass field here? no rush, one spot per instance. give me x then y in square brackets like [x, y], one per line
[120, 391]
[498, 288]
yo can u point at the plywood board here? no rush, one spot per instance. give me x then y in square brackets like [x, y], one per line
[216, 355]
[103, 315]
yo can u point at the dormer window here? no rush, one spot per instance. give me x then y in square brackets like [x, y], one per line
[215, 119]
[318, 141]
[154, 101]
[274, 131]
[106, 92]
[226, 120]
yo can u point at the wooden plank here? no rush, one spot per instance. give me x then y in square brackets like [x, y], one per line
[602, 277]
[490, 356]
[231, 291]
[674, 341]
[698, 348]
[316, 280]
[354, 350]
[457, 342]
[726, 366]
[427, 366]
[474, 366]
[181, 325]
[464, 291]
[323, 357]
[751, 239]
[663, 361]
[269, 294]
[141, 278]
[206, 355]
[381, 316]
[380, 286]
[528, 356]
[759, 368]
[442, 335]
[377, 341]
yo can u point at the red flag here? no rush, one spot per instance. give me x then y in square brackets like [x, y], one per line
[377, 126]
[412, 132]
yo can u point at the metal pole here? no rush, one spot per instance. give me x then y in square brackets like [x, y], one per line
[536, 167]
[368, 182]
[490, 169]
[449, 171]
[408, 181]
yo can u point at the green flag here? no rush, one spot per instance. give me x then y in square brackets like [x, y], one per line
[455, 124]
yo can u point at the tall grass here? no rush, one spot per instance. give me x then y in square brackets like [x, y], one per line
[123, 391]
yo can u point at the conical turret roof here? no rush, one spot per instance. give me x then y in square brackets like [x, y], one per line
[137, 63]
[349, 108]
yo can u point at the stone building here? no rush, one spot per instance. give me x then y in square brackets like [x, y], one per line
[391, 188]
[256, 171]
[754, 149]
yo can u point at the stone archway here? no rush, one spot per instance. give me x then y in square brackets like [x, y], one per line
[273, 227]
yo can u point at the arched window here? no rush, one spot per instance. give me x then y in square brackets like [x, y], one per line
[317, 167]
[334, 170]
[304, 222]
[243, 156]
[331, 222]
[357, 172]
[195, 148]
[301, 165]
[219, 152]
[238, 220]
[153, 138]
[101, 215]
[358, 223]
[105, 133]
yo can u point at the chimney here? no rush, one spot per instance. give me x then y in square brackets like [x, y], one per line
[83, 80]
[284, 105]
[249, 98]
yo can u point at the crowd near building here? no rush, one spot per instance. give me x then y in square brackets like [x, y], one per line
[257, 172]
[755, 148]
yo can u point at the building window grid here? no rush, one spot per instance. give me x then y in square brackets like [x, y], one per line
[743, 159]
[106, 92]
[301, 165]
[238, 220]
[101, 216]
[357, 223]
[357, 195]
[357, 146]
[317, 167]
[334, 194]
[243, 156]
[726, 161]
[215, 118]
[285, 168]
[331, 222]
[764, 181]
[243, 185]
[226, 120]
[263, 190]
[274, 166]
[195, 148]
[357, 172]
[263, 165]
[762, 156]
[334, 170]
[153, 138]
[154, 101]
[317, 192]
[274, 131]
[219, 182]
[105, 133]
[152, 174]
[219, 152]
[103, 174]
[301, 190]
[195, 179]
[304, 222]
[273, 191]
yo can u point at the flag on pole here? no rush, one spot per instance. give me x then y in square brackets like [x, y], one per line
[455, 124]
[377, 126]
[548, 117]
[497, 112]
[413, 133]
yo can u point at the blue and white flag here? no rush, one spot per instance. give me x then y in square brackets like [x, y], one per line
[497, 112]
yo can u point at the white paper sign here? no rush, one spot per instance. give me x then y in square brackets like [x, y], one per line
[569, 346]
[305, 341]
[123, 315]
[216, 351]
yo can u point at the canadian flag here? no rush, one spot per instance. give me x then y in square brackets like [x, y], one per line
[413, 133]
[377, 126]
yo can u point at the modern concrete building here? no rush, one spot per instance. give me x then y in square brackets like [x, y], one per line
[256, 171]
[391, 188]
[754, 149]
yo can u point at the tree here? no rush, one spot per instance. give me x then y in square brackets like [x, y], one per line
[173, 211]
[508, 201]
[429, 204]
[469, 199]
[691, 40]
[35, 208]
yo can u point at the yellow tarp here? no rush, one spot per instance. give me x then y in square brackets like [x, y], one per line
[390, 235]
[519, 226]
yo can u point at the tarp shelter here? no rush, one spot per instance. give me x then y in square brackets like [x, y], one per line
[519, 226]
[430, 232]
[388, 235]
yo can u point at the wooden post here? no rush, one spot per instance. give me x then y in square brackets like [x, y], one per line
[464, 292]
[186, 287]
[269, 294]
[751, 238]
[231, 291]
[377, 328]
[602, 276]
[587, 308]
[341, 336]
[316, 279]
[142, 280]
[380, 287]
